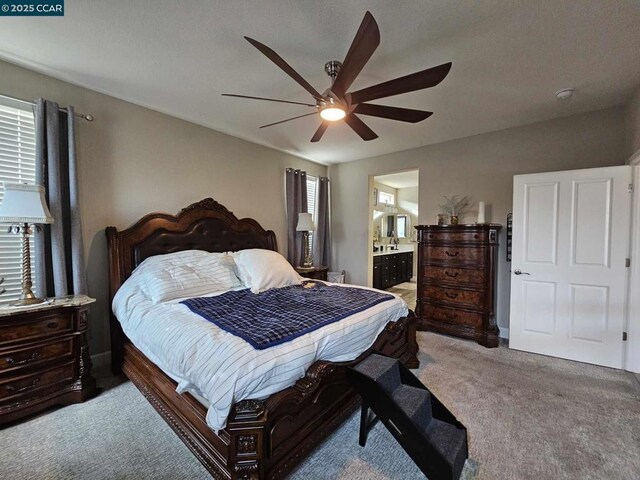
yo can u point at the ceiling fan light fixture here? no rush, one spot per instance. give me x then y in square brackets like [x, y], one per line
[332, 113]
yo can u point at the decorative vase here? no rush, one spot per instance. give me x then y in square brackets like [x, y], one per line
[454, 219]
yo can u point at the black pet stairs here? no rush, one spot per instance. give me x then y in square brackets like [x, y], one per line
[434, 439]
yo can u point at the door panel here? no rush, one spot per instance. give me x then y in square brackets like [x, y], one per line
[570, 241]
[539, 307]
[589, 312]
[591, 223]
[541, 222]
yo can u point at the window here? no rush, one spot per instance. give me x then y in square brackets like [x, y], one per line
[17, 165]
[388, 198]
[311, 204]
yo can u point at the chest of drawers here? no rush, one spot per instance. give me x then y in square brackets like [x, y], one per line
[457, 280]
[44, 358]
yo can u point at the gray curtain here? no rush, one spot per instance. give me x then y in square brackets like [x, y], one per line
[322, 235]
[296, 194]
[58, 247]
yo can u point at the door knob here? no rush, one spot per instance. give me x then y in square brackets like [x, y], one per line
[520, 272]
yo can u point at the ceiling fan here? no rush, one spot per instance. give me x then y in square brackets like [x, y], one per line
[335, 103]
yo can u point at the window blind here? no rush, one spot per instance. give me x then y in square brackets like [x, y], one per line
[17, 165]
[311, 204]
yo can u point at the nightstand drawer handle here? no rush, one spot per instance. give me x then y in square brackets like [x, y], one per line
[450, 315]
[12, 389]
[449, 254]
[30, 358]
[52, 325]
[451, 274]
[451, 295]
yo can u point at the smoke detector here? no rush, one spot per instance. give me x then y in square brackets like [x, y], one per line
[564, 93]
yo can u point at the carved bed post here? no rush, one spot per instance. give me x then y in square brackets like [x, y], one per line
[246, 446]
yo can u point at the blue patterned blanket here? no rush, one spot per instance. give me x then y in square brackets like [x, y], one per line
[282, 314]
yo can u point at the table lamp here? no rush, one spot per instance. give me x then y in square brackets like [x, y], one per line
[305, 225]
[24, 206]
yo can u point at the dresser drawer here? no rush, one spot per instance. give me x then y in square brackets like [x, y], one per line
[460, 276]
[452, 315]
[455, 236]
[455, 254]
[26, 384]
[471, 298]
[25, 357]
[45, 326]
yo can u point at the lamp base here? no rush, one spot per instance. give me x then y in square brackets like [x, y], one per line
[25, 302]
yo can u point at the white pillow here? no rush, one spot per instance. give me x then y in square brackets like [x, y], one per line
[186, 274]
[261, 270]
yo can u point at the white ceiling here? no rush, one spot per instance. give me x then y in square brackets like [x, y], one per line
[404, 179]
[509, 57]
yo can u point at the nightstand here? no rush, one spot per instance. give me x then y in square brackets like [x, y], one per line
[316, 273]
[44, 357]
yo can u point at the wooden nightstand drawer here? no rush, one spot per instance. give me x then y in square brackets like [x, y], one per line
[315, 273]
[26, 384]
[45, 326]
[458, 296]
[15, 359]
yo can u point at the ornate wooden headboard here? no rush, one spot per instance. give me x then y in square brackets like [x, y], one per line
[205, 225]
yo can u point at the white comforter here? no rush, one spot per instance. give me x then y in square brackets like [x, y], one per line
[225, 369]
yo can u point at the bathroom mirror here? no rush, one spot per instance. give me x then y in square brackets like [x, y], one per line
[394, 224]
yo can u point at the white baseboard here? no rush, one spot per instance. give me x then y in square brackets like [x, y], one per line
[504, 332]
[101, 360]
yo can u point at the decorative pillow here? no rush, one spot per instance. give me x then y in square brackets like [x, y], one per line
[261, 270]
[186, 274]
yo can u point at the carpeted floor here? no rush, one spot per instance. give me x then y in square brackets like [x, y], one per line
[528, 417]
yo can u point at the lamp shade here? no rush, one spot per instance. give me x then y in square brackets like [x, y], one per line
[24, 204]
[305, 223]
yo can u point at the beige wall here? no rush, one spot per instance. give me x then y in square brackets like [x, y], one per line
[632, 121]
[133, 161]
[482, 167]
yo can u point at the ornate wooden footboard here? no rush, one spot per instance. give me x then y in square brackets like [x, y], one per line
[262, 439]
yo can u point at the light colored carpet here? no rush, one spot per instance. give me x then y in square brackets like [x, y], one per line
[528, 417]
[408, 291]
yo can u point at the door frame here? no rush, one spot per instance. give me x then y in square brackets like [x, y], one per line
[632, 351]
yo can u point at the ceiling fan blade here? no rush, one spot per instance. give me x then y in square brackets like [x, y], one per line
[267, 99]
[409, 83]
[392, 113]
[364, 44]
[320, 132]
[288, 119]
[360, 127]
[277, 59]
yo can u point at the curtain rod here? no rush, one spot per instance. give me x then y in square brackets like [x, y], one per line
[88, 118]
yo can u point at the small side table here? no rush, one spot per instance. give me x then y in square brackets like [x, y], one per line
[315, 273]
[44, 356]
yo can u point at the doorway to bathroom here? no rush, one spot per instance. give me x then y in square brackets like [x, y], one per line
[394, 213]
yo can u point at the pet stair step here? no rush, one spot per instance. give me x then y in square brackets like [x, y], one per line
[414, 402]
[451, 443]
[432, 436]
[384, 371]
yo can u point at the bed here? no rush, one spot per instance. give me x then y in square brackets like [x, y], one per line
[262, 438]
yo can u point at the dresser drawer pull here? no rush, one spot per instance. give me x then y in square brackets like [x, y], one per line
[30, 358]
[449, 254]
[451, 274]
[451, 295]
[52, 325]
[12, 389]
[450, 315]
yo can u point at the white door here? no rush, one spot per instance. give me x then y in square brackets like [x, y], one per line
[568, 272]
